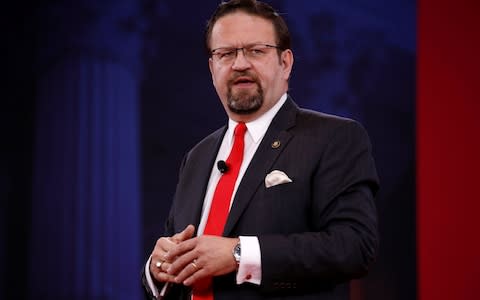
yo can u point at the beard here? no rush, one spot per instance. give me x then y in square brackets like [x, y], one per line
[245, 102]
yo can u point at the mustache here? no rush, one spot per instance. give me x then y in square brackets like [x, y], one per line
[247, 74]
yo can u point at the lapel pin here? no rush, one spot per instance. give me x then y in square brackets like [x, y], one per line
[276, 144]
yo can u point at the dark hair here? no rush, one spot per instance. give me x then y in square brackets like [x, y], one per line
[251, 7]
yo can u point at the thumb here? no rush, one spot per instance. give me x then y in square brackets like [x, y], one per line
[185, 234]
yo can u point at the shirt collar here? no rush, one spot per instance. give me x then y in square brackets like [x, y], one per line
[257, 128]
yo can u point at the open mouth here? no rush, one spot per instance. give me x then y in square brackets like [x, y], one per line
[243, 81]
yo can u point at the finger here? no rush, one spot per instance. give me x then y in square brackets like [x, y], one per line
[162, 266]
[181, 262]
[181, 249]
[189, 272]
[153, 268]
[158, 271]
[164, 277]
[158, 265]
[164, 244]
[195, 277]
[185, 234]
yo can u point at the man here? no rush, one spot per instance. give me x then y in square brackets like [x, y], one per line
[299, 220]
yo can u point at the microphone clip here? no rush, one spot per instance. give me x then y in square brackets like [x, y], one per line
[222, 166]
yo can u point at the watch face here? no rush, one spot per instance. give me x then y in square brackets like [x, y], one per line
[236, 252]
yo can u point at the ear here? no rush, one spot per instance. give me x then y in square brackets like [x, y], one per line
[287, 62]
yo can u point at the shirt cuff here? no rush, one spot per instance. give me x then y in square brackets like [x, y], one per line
[150, 282]
[250, 268]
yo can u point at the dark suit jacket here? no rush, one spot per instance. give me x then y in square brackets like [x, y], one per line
[316, 233]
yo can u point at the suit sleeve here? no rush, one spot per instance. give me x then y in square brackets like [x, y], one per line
[342, 239]
[174, 290]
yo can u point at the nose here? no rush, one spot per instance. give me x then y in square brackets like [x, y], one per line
[241, 62]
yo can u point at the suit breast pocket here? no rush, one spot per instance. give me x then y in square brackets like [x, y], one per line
[286, 206]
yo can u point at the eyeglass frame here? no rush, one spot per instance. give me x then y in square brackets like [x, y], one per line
[248, 48]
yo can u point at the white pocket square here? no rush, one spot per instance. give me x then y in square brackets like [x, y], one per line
[276, 177]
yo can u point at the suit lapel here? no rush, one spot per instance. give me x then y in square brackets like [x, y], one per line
[275, 140]
[192, 208]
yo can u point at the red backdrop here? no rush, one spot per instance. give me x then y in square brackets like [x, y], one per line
[448, 134]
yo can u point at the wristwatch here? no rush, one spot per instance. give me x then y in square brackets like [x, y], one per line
[236, 253]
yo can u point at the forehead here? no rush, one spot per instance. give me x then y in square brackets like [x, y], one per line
[240, 28]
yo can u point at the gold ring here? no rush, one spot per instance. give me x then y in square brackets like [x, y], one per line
[158, 264]
[194, 264]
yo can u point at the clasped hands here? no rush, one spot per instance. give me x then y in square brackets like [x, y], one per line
[185, 259]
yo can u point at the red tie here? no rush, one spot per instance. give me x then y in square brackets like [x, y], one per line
[220, 207]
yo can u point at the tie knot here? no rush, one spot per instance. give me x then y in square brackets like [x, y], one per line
[240, 129]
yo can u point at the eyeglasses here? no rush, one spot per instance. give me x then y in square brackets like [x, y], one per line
[253, 53]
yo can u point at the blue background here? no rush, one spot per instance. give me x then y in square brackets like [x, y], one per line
[103, 98]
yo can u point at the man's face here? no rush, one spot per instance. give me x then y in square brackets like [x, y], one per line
[248, 84]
